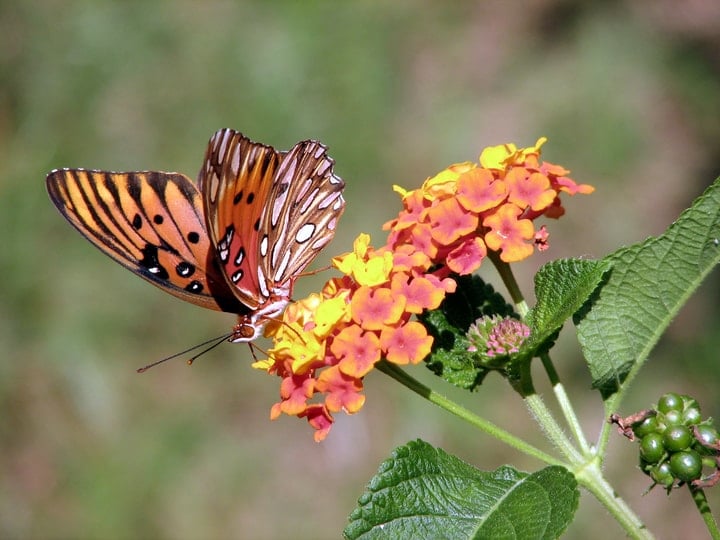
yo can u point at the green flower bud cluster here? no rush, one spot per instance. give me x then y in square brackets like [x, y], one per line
[675, 442]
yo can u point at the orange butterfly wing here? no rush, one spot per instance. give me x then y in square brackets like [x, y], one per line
[235, 182]
[150, 222]
[269, 213]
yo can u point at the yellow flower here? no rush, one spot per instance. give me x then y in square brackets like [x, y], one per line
[444, 183]
[366, 267]
[495, 157]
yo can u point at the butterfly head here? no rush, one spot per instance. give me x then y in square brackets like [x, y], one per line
[250, 326]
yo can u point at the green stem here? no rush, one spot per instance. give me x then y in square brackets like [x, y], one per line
[508, 278]
[698, 496]
[572, 419]
[550, 369]
[551, 428]
[603, 438]
[565, 404]
[591, 478]
[441, 401]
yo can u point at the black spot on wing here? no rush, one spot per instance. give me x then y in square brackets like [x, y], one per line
[194, 287]
[151, 263]
[185, 269]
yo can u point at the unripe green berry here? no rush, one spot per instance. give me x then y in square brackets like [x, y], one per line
[651, 447]
[670, 402]
[691, 416]
[673, 418]
[707, 436]
[662, 474]
[677, 438]
[686, 466]
[649, 425]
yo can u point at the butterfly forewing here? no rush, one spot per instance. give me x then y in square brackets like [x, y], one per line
[236, 182]
[150, 222]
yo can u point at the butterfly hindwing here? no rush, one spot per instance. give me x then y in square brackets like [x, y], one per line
[306, 204]
[150, 222]
[268, 212]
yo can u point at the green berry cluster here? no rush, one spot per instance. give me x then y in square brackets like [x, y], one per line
[675, 442]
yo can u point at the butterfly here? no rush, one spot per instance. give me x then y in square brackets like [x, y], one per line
[234, 242]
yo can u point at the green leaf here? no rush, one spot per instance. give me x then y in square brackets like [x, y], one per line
[449, 323]
[561, 288]
[424, 492]
[648, 284]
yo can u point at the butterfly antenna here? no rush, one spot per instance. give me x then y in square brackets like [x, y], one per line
[210, 348]
[215, 342]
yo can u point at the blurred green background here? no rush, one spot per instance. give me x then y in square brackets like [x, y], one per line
[627, 92]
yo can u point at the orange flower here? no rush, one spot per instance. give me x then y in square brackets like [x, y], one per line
[343, 391]
[509, 234]
[408, 344]
[357, 350]
[449, 221]
[373, 309]
[479, 190]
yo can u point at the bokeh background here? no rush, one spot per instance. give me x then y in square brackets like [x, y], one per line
[627, 92]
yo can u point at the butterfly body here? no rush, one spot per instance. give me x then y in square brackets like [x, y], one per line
[233, 243]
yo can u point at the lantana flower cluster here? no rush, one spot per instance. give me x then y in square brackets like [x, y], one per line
[328, 342]
[466, 210]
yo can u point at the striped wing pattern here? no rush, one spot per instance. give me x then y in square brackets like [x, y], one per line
[150, 222]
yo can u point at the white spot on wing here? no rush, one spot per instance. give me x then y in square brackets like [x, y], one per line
[223, 143]
[310, 199]
[262, 283]
[240, 256]
[304, 189]
[305, 233]
[327, 201]
[235, 162]
[283, 266]
[278, 205]
[264, 246]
